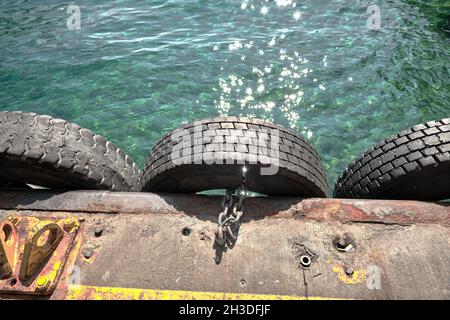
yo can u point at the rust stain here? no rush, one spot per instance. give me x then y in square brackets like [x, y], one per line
[341, 210]
[372, 211]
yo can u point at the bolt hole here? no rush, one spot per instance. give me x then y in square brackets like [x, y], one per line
[12, 282]
[348, 271]
[88, 252]
[186, 231]
[305, 261]
[98, 232]
[344, 244]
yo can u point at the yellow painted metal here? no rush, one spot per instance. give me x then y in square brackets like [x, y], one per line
[36, 254]
[43, 282]
[5, 268]
[78, 292]
[42, 246]
[8, 246]
[71, 224]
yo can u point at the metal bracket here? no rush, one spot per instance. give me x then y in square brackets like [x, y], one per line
[8, 247]
[33, 253]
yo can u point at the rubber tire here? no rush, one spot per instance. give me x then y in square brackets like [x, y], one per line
[414, 164]
[54, 153]
[300, 169]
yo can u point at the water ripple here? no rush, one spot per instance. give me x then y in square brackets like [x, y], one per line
[137, 69]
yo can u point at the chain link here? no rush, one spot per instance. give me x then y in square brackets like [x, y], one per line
[232, 212]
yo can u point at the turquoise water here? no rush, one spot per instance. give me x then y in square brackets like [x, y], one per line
[137, 69]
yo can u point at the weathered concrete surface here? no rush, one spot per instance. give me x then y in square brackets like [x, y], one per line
[407, 241]
[152, 252]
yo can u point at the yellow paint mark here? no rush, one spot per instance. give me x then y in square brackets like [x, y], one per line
[358, 275]
[54, 271]
[76, 292]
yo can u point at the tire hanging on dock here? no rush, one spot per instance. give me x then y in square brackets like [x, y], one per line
[414, 164]
[210, 154]
[54, 153]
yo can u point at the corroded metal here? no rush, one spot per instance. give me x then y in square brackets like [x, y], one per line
[162, 247]
[36, 251]
[342, 210]
[36, 254]
[8, 246]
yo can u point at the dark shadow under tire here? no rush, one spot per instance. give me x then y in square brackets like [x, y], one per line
[54, 153]
[414, 164]
[211, 153]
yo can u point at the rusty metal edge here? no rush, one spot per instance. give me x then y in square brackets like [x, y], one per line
[326, 209]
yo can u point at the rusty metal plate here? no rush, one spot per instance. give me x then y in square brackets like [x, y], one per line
[33, 253]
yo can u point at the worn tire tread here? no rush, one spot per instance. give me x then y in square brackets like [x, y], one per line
[65, 149]
[424, 146]
[296, 155]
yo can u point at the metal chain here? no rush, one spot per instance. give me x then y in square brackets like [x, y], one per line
[232, 212]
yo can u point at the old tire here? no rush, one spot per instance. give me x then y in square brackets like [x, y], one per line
[54, 153]
[414, 164]
[181, 161]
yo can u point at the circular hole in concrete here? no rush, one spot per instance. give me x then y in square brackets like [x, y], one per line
[186, 231]
[344, 243]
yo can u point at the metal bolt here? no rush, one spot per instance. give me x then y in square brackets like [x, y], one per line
[70, 224]
[349, 248]
[43, 282]
[13, 220]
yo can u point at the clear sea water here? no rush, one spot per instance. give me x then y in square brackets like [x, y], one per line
[138, 69]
